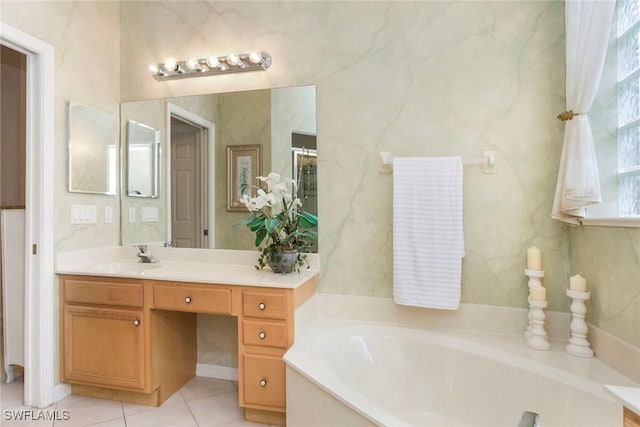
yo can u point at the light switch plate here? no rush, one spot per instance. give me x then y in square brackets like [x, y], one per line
[148, 214]
[108, 215]
[84, 214]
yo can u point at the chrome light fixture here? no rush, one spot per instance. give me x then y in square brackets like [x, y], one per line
[232, 63]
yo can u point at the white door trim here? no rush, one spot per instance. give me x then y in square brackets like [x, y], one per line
[208, 165]
[39, 272]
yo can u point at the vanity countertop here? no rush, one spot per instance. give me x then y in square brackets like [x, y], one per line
[181, 265]
[628, 396]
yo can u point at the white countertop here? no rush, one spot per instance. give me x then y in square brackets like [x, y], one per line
[628, 396]
[183, 265]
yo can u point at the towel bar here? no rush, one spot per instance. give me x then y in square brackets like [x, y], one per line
[488, 162]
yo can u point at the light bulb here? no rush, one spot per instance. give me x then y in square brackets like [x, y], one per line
[193, 64]
[213, 62]
[232, 59]
[170, 65]
[255, 58]
[154, 68]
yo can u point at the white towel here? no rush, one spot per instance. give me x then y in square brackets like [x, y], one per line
[428, 239]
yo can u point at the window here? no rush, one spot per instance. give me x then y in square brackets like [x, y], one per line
[628, 42]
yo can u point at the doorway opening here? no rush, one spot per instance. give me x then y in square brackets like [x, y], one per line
[191, 164]
[13, 87]
[39, 318]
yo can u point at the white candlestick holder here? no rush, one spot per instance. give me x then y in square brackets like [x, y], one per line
[534, 281]
[578, 344]
[538, 337]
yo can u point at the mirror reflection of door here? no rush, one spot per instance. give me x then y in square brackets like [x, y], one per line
[188, 185]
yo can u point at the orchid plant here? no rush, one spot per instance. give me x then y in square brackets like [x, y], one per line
[278, 221]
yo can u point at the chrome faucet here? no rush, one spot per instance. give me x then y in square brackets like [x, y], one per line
[144, 254]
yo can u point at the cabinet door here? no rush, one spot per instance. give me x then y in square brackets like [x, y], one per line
[104, 347]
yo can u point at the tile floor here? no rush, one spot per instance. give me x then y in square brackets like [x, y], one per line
[202, 402]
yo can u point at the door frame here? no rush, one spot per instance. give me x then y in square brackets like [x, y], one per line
[207, 164]
[39, 318]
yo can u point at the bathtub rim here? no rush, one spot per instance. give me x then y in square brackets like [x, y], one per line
[303, 362]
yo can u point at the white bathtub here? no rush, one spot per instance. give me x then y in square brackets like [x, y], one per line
[349, 373]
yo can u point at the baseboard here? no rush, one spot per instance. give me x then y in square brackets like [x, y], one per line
[60, 391]
[216, 371]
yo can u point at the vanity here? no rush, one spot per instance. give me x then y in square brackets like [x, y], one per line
[128, 330]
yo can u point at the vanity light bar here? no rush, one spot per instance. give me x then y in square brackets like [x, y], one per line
[232, 63]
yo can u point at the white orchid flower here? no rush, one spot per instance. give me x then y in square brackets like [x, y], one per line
[272, 179]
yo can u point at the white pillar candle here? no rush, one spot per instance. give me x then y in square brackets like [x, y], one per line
[578, 283]
[539, 293]
[534, 259]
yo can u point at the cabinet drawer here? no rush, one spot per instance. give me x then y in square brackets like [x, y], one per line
[266, 305]
[263, 383]
[103, 292]
[197, 299]
[265, 333]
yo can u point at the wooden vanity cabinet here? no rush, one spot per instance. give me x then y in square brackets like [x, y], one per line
[631, 419]
[135, 340]
[113, 346]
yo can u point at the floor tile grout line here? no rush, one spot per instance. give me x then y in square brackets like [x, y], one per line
[189, 409]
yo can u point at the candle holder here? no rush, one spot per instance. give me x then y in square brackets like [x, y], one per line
[537, 335]
[534, 281]
[578, 344]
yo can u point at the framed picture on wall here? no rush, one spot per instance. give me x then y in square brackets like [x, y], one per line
[243, 168]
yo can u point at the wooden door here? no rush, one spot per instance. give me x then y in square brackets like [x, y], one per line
[186, 192]
[104, 347]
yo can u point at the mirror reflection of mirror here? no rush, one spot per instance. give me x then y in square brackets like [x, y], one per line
[93, 152]
[143, 153]
[265, 117]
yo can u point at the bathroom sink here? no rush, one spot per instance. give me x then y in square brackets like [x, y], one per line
[126, 267]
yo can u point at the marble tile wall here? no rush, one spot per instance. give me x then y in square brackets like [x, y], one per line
[86, 39]
[413, 78]
[416, 79]
[610, 259]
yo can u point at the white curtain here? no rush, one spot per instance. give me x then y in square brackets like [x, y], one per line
[587, 25]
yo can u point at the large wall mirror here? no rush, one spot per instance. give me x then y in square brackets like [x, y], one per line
[93, 154]
[190, 209]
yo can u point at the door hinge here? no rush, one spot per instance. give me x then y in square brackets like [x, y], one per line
[206, 232]
[34, 249]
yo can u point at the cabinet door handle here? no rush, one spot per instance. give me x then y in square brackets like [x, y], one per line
[262, 306]
[187, 300]
[136, 322]
[262, 335]
[263, 382]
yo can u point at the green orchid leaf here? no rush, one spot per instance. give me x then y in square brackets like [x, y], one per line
[307, 219]
[272, 224]
[260, 235]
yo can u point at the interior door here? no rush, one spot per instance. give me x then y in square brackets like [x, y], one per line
[186, 191]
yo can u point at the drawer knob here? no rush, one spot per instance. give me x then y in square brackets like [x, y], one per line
[263, 382]
[187, 300]
[262, 306]
[136, 322]
[262, 335]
